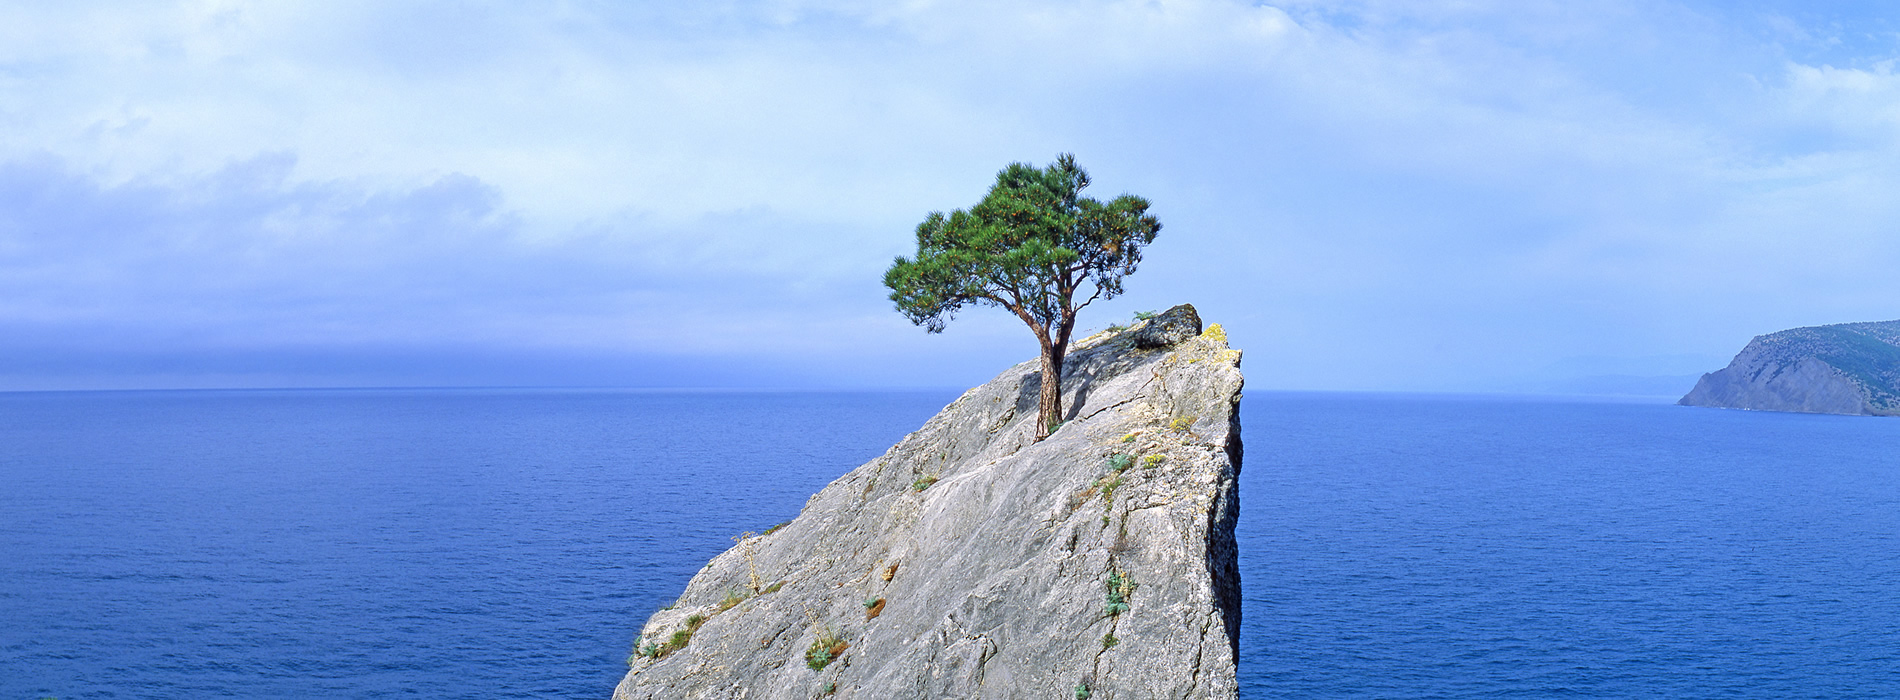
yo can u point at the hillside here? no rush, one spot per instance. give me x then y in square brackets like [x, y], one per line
[1849, 368]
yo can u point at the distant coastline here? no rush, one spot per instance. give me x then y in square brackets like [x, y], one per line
[1845, 369]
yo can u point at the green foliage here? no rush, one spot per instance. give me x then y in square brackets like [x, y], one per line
[1182, 424]
[830, 688]
[817, 657]
[1115, 328]
[1034, 246]
[1082, 691]
[1028, 246]
[679, 640]
[1108, 486]
[733, 599]
[1144, 315]
[1130, 437]
[923, 483]
[774, 587]
[825, 649]
[1109, 641]
[1119, 588]
[651, 649]
[1152, 461]
[775, 528]
[1119, 462]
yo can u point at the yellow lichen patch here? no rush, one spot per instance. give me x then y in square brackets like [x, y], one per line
[1215, 332]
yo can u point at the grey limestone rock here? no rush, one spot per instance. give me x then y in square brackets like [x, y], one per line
[971, 561]
[1167, 328]
[1850, 368]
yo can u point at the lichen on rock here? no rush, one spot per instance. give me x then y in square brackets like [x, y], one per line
[996, 581]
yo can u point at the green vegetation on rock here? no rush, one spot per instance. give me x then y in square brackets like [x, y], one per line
[1032, 246]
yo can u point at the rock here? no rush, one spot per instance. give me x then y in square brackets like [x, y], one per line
[1167, 328]
[1849, 368]
[971, 561]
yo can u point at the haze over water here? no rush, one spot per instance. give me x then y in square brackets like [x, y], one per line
[510, 543]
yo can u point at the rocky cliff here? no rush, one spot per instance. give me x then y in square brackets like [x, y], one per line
[971, 561]
[1850, 368]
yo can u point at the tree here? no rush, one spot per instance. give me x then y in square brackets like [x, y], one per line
[1031, 246]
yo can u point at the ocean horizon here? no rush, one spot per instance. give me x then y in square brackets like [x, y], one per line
[510, 542]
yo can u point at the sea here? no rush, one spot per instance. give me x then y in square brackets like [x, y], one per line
[509, 543]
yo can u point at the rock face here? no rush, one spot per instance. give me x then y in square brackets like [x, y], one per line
[1850, 368]
[971, 561]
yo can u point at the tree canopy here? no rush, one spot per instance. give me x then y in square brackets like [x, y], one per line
[1033, 246]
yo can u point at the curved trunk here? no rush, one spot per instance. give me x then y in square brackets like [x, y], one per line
[1049, 402]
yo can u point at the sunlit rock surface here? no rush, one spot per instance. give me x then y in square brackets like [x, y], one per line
[971, 561]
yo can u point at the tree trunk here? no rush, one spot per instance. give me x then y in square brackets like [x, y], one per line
[1049, 403]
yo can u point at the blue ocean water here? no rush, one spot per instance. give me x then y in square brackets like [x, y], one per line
[488, 544]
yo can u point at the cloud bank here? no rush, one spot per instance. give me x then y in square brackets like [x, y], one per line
[1371, 195]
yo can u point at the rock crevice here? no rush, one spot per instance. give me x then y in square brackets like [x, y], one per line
[998, 566]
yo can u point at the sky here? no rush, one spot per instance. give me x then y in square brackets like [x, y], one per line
[1369, 195]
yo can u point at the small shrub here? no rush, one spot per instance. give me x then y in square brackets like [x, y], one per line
[678, 641]
[652, 649]
[825, 649]
[1144, 315]
[873, 608]
[1119, 588]
[774, 587]
[1056, 425]
[1119, 461]
[923, 483]
[1152, 461]
[733, 599]
[1109, 641]
[1116, 328]
[817, 657]
[775, 528]
[1182, 423]
[1131, 436]
[1108, 487]
[830, 688]
[1082, 691]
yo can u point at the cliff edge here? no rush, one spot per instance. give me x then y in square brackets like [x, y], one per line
[1848, 368]
[970, 561]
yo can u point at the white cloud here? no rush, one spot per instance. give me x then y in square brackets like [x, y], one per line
[1391, 194]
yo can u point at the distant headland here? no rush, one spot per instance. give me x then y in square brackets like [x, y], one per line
[1848, 368]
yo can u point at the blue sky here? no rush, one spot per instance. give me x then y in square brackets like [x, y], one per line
[1370, 195]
